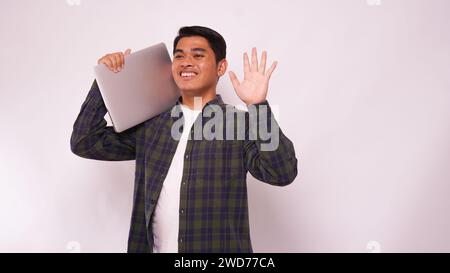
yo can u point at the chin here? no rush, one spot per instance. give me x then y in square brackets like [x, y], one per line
[190, 88]
[192, 92]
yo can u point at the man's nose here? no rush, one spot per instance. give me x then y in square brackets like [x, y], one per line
[187, 61]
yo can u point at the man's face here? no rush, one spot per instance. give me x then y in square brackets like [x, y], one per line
[194, 66]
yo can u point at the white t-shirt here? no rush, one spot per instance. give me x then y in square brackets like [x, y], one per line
[166, 215]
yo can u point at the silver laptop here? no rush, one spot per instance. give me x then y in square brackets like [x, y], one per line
[143, 89]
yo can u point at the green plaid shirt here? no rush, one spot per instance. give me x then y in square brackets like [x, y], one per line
[213, 215]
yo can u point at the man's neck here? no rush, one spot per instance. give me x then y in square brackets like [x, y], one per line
[189, 101]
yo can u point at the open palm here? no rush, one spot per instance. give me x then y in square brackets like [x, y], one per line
[253, 89]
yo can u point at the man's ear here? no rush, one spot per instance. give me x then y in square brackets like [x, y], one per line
[222, 67]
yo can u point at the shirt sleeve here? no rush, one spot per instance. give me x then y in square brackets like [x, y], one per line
[275, 164]
[92, 139]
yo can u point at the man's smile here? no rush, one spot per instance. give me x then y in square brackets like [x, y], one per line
[188, 75]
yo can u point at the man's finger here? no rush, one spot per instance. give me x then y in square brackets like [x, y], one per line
[117, 63]
[234, 80]
[107, 62]
[122, 60]
[113, 62]
[127, 52]
[246, 66]
[271, 69]
[100, 61]
[254, 67]
[262, 66]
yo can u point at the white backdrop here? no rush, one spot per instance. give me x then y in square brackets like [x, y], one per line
[363, 91]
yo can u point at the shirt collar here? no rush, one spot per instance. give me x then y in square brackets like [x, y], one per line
[217, 100]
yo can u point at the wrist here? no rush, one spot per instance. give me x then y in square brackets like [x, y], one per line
[258, 102]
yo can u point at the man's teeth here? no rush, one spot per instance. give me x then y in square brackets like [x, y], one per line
[187, 74]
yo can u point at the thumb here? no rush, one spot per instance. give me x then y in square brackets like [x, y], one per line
[127, 52]
[234, 80]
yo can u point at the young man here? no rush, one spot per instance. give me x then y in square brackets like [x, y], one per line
[190, 194]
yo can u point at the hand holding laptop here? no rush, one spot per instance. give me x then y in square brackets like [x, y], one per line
[114, 61]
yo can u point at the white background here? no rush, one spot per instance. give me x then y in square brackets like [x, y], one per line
[363, 91]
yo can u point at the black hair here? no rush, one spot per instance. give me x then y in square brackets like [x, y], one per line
[215, 40]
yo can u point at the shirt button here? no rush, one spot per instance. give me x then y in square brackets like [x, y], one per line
[187, 156]
[184, 183]
[181, 239]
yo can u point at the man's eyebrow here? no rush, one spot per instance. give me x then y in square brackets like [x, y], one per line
[192, 49]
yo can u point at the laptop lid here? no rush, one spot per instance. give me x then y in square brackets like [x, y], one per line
[143, 89]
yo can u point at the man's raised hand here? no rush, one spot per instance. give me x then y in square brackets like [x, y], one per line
[253, 89]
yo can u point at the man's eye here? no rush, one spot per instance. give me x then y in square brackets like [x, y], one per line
[179, 56]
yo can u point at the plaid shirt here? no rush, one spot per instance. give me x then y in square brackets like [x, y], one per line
[213, 197]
